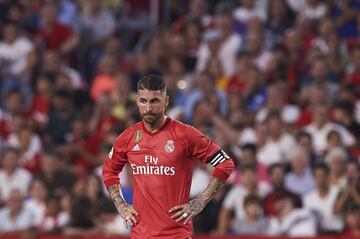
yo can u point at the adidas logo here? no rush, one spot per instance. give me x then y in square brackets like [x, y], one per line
[136, 148]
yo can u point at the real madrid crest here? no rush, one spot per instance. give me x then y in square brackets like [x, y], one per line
[169, 147]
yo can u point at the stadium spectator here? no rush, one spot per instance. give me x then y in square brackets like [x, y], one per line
[253, 223]
[278, 189]
[290, 221]
[52, 35]
[299, 58]
[234, 200]
[336, 160]
[322, 200]
[54, 219]
[15, 217]
[12, 176]
[349, 195]
[352, 222]
[300, 180]
[36, 204]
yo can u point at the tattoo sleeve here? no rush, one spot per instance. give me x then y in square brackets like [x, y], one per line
[114, 192]
[198, 204]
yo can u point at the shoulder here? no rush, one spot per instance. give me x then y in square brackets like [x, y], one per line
[23, 173]
[179, 128]
[125, 136]
[310, 196]
[237, 190]
[4, 213]
[24, 43]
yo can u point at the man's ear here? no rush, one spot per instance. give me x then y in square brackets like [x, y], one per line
[167, 100]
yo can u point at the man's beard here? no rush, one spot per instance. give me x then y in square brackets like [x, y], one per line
[151, 119]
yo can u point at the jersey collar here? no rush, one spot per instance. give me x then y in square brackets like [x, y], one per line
[157, 131]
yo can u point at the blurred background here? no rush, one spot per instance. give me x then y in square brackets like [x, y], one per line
[275, 83]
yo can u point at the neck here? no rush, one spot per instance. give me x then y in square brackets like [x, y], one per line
[14, 213]
[157, 125]
[10, 171]
[299, 172]
[251, 218]
[323, 192]
[319, 125]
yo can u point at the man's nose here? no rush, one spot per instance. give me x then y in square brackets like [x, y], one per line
[148, 107]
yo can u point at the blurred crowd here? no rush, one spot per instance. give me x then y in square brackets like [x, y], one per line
[275, 83]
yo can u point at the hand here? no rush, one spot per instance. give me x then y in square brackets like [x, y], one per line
[128, 214]
[187, 211]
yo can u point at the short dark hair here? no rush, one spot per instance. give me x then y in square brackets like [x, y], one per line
[151, 82]
[8, 150]
[345, 105]
[302, 134]
[323, 167]
[252, 199]
[273, 115]
[248, 167]
[274, 166]
[249, 147]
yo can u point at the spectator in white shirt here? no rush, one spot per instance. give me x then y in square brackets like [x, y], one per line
[300, 180]
[314, 9]
[248, 10]
[15, 217]
[29, 145]
[54, 218]
[37, 201]
[11, 175]
[336, 160]
[321, 126]
[349, 195]
[107, 219]
[229, 45]
[322, 200]
[254, 222]
[279, 144]
[17, 54]
[234, 200]
[290, 221]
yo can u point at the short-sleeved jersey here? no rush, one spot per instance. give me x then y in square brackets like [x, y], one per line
[162, 166]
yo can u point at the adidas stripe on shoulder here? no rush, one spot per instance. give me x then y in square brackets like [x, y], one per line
[218, 157]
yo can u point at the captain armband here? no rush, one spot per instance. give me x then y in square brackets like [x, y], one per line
[218, 157]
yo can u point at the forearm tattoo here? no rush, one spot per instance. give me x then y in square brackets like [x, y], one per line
[198, 204]
[114, 192]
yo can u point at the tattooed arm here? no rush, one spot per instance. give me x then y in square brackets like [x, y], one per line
[195, 206]
[126, 211]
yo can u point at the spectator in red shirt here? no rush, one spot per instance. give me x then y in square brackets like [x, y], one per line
[353, 75]
[352, 220]
[277, 174]
[53, 35]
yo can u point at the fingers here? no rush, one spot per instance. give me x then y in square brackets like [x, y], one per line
[188, 218]
[184, 213]
[126, 224]
[177, 208]
[178, 214]
[130, 217]
[183, 216]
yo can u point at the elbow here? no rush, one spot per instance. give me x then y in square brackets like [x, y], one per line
[224, 169]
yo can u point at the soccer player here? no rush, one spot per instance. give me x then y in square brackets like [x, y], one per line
[161, 152]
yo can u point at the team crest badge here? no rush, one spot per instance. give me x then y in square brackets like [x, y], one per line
[138, 136]
[169, 147]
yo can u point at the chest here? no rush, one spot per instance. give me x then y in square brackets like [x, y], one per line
[159, 150]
